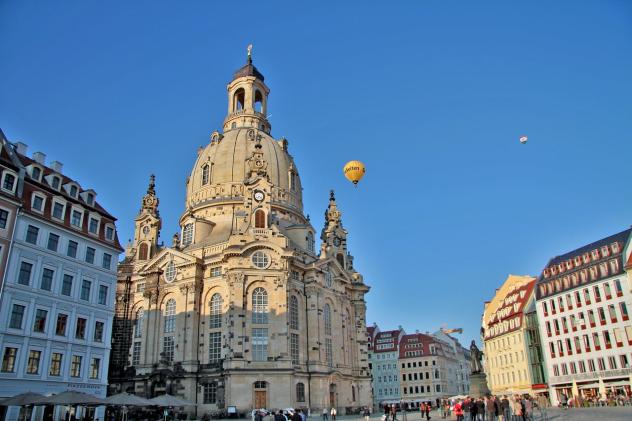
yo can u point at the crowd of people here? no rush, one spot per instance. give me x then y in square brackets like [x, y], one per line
[493, 408]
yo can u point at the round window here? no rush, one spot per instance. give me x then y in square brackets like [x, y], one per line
[170, 272]
[260, 259]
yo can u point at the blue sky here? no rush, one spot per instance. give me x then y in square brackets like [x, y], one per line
[431, 95]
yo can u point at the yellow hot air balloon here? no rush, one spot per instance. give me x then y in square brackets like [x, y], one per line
[354, 171]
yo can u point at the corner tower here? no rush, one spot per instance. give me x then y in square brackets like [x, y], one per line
[146, 226]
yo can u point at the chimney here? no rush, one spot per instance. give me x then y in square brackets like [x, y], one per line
[39, 157]
[56, 166]
[20, 148]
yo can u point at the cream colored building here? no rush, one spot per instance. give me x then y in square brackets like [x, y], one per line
[242, 310]
[507, 340]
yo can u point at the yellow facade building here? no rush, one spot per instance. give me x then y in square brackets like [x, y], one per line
[512, 363]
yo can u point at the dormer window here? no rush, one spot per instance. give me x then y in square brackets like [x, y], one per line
[73, 191]
[615, 247]
[55, 183]
[36, 173]
[90, 199]
[76, 217]
[8, 181]
[93, 226]
[109, 232]
[37, 203]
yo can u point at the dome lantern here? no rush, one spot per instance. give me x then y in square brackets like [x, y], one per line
[247, 99]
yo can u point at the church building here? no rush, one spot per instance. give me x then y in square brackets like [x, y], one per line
[242, 310]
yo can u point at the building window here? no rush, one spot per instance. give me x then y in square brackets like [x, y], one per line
[66, 285]
[107, 261]
[187, 234]
[85, 290]
[103, 294]
[31, 234]
[55, 183]
[55, 364]
[72, 248]
[215, 320]
[36, 173]
[58, 210]
[327, 319]
[4, 217]
[214, 346]
[205, 174]
[329, 352]
[168, 348]
[98, 331]
[90, 252]
[140, 287]
[210, 393]
[300, 392]
[136, 354]
[33, 362]
[9, 182]
[8, 360]
[259, 306]
[293, 312]
[260, 219]
[259, 344]
[170, 316]
[216, 271]
[93, 226]
[17, 315]
[80, 330]
[76, 217]
[53, 242]
[37, 203]
[94, 368]
[170, 272]
[294, 353]
[39, 325]
[73, 191]
[109, 233]
[75, 366]
[24, 277]
[138, 323]
[260, 259]
[60, 326]
[329, 279]
[310, 242]
[47, 279]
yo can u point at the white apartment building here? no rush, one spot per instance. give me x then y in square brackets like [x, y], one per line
[583, 303]
[57, 303]
[383, 357]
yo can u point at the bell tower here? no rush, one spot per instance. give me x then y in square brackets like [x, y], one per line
[147, 226]
[334, 236]
[247, 99]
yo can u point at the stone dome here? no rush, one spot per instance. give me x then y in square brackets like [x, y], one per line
[222, 168]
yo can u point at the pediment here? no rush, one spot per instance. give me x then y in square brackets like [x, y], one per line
[167, 255]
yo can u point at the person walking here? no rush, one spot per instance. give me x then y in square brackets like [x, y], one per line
[333, 413]
[528, 408]
[543, 406]
[325, 414]
[473, 410]
[366, 413]
[458, 410]
[505, 408]
[490, 408]
[480, 409]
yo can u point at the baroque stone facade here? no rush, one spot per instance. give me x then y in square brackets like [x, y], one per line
[242, 310]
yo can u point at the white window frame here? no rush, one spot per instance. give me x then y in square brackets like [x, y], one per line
[80, 210]
[41, 196]
[9, 215]
[97, 217]
[68, 186]
[105, 232]
[62, 202]
[30, 171]
[4, 175]
[184, 243]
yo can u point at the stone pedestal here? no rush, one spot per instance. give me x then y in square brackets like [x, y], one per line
[478, 385]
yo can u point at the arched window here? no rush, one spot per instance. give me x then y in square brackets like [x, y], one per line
[310, 241]
[187, 234]
[206, 174]
[239, 99]
[341, 259]
[258, 105]
[327, 319]
[260, 219]
[170, 316]
[292, 179]
[293, 312]
[300, 392]
[215, 320]
[353, 393]
[259, 306]
[143, 251]
[138, 323]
